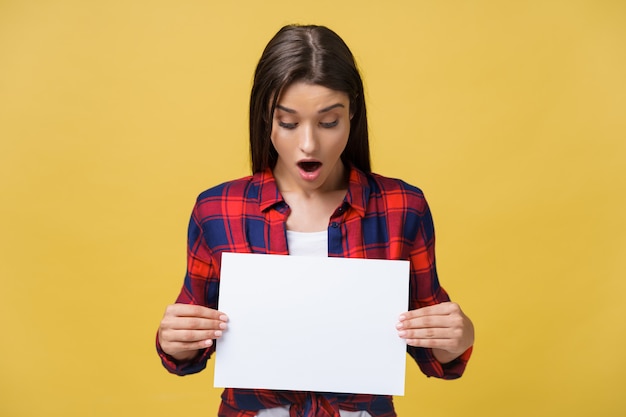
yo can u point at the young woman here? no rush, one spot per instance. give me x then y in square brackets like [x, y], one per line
[312, 193]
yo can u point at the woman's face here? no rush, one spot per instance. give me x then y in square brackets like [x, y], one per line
[310, 130]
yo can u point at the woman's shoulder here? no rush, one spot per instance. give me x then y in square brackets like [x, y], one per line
[230, 198]
[236, 188]
[396, 195]
[390, 185]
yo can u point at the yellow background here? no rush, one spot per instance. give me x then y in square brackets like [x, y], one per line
[511, 116]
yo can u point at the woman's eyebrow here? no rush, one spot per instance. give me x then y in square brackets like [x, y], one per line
[329, 108]
[285, 109]
[324, 110]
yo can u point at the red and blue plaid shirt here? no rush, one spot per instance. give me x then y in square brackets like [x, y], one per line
[380, 218]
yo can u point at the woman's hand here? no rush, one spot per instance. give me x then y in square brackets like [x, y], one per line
[442, 327]
[187, 328]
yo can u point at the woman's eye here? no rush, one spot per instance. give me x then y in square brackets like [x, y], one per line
[329, 124]
[287, 125]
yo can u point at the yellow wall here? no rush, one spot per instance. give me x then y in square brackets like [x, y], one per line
[510, 115]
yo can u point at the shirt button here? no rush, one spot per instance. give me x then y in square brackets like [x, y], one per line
[334, 224]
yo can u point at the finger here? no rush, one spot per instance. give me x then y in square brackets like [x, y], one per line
[444, 344]
[173, 348]
[426, 322]
[176, 341]
[192, 310]
[190, 336]
[450, 344]
[427, 333]
[198, 323]
[191, 323]
[436, 309]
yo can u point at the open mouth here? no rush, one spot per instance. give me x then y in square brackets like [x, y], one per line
[309, 166]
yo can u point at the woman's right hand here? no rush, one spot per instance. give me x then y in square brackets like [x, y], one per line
[187, 328]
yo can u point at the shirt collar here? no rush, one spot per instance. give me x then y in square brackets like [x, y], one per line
[358, 191]
[356, 197]
[268, 190]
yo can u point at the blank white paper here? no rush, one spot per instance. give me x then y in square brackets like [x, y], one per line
[312, 324]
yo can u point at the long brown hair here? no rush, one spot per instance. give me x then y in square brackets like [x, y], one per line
[316, 55]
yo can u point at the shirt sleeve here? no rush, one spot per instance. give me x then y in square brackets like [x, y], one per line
[425, 291]
[200, 287]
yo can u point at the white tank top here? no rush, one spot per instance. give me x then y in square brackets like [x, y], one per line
[307, 243]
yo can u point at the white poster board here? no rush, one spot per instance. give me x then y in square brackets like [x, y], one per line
[312, 324]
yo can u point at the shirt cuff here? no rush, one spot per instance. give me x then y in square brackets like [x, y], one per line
[430, 366]
[192, 366]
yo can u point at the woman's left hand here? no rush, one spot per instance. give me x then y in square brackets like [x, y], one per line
[442, 327]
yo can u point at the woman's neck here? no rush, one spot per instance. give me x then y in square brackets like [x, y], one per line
[311, 209]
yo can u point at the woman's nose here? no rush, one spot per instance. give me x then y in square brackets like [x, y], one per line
[307, 140]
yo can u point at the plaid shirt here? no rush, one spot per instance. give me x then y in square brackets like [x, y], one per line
[380, 218]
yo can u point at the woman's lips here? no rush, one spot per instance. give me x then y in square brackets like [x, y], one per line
[309, 170]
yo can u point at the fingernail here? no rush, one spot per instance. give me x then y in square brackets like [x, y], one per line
[218, 333]
[208, 342]
[398, 325]
[224, 318]
[402, 333]
[402, 317]
[223, 326]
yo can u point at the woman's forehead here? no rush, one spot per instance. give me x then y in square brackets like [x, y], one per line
[310, 92]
